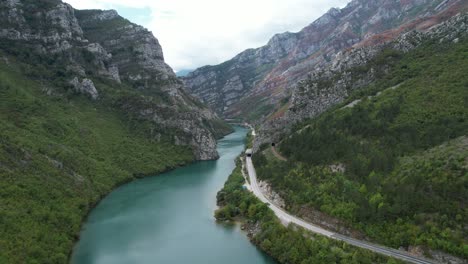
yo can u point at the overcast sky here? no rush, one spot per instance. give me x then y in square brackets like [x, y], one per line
[207, 32]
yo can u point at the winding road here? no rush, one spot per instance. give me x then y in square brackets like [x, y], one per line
[287, 218]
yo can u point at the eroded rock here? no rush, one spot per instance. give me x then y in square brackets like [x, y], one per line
[85, 87]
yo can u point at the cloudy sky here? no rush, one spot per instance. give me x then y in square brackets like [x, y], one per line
[207, 32]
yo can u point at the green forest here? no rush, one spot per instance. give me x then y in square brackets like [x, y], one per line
[286, 244]
[403, 154]
[59, 155]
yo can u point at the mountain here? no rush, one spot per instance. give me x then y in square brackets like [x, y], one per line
[86, 103]
[101, 44]
[257, 82]
[374, 144]
[183, 73]
[366, 108]
[350, 71]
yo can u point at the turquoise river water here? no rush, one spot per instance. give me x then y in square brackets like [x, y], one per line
[168, 219]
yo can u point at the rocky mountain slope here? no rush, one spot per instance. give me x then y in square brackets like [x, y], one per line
[100, 44]
[86, 103]
[386, 157]
[253, 83]
[352, 70]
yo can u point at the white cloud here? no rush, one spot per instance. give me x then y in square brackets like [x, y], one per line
[196, 33]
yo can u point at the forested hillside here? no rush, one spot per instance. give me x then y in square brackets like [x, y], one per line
[285, 244]
[78, 119]
[58, 157]
[391, 161]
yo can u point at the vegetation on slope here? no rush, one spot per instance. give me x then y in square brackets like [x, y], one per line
[404, 154]
[286, 244]
[59, 155]
[60, 152]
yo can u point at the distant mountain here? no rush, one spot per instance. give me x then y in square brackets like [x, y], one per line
[183, 73]
[257, 82]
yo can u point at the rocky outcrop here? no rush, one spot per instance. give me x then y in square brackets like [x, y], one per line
[85, 87]
[445, 258]
[272, 196]
[51, 28]
[90, 45]
[136, 52]
[331, 84]
[20, 24]
[267, 75]
[252, 229]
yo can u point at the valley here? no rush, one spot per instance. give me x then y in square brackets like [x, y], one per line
[344, 142]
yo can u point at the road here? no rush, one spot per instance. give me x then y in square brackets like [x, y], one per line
[277, 155]
[287, 218]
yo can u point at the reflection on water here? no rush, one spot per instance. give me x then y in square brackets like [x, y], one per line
[169, 219]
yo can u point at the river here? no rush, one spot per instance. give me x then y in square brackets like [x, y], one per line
[168, 219]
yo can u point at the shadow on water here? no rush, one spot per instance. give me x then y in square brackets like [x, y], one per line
[169, 219]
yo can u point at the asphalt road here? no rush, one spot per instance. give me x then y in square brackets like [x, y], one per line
[287, 218]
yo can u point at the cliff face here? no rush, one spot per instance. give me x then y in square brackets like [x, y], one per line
[85, 45]
[136, 53]
[138, 60]
[251, 84]
[352, 70]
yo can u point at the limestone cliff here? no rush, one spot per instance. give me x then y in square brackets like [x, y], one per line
[86, 45]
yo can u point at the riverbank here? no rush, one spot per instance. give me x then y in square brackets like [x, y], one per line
[58, 163]
[93, 205]
[285, 244]
[154, 219]
[135, 176]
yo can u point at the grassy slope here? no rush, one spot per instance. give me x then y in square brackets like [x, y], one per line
[285, 244]
[59, 155]
[397, 189]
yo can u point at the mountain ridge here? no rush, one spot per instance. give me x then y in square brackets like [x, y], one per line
[332, 84]
[252, 84]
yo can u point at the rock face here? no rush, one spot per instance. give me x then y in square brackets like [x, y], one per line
[92, 44]
[85, 87]
[135, 51]
[331, 84]
[443, 257]
[137, 59]
[273, 196]
[260, 78]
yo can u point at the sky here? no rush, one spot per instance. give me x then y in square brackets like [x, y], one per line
[194, 33]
